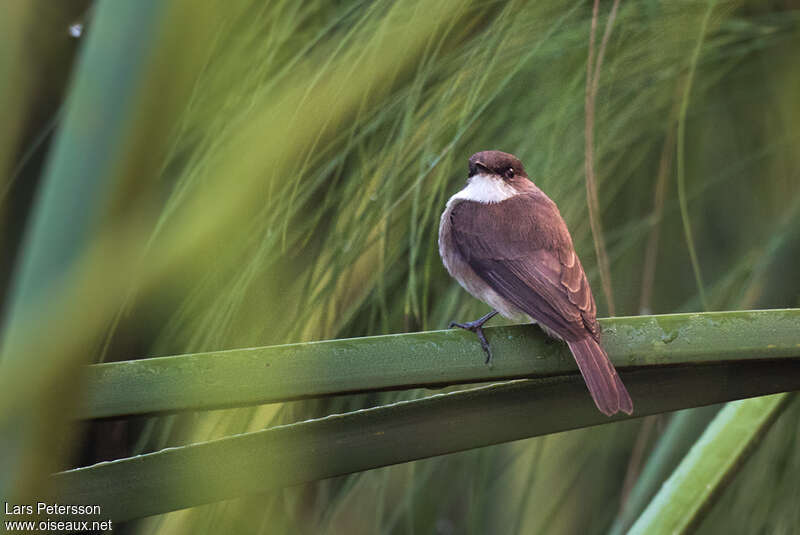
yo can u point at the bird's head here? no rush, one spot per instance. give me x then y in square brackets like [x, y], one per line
[497, 165]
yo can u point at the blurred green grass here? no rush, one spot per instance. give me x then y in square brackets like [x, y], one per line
[282, 178]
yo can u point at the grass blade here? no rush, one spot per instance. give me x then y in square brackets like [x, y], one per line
[687, 227]
[77, 183]
[295, 371]
[710, 465]
[293, 454]
[682, 431]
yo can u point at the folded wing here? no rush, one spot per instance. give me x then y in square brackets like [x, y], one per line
[522, 249]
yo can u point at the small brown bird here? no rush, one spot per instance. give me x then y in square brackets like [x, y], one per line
[506, 243]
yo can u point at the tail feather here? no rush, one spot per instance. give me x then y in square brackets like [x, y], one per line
[605, 386]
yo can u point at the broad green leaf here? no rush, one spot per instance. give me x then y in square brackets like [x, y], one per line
[711, 463]
[298, 453]
[295, 371]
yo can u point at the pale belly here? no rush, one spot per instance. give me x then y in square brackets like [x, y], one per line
[467, 278]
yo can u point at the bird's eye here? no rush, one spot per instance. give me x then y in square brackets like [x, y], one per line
[509, 173]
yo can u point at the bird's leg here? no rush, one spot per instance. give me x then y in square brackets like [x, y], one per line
[477, 327]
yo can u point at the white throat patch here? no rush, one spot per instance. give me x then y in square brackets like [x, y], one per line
[484, 189]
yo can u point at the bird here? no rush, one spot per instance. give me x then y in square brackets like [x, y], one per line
[505, 242]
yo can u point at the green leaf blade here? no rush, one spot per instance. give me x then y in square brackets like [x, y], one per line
[709, 466]
[298, 453]
[297, 371]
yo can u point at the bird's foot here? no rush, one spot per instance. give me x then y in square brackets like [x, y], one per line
[477, 327]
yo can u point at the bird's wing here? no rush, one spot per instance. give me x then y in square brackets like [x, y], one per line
[522, 249]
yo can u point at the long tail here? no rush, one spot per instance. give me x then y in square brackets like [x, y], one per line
[605, 386]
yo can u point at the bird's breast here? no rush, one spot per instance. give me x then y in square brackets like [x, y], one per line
[459, 269]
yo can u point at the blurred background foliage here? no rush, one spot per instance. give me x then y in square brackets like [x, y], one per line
[276, 171]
